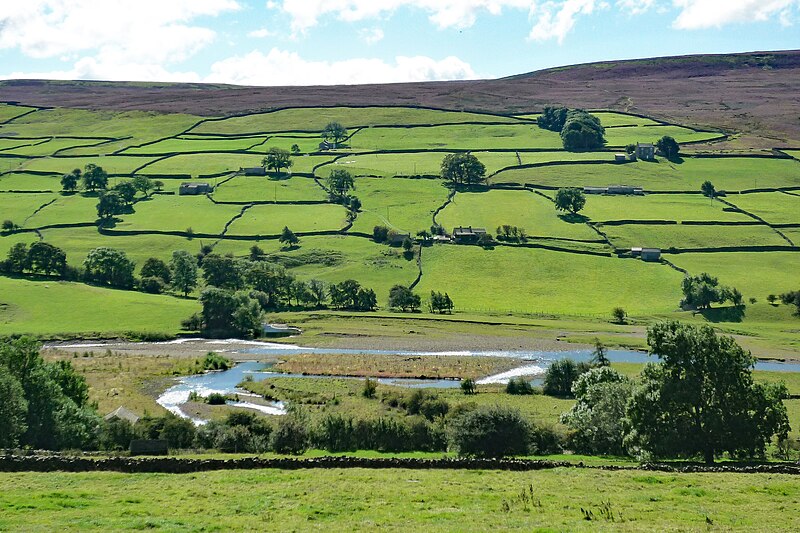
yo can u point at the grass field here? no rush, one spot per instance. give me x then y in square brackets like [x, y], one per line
[201, 164]
[8, 112]
[29, 182]
[113, 164]
[406, 205]
[774, 207]
[52, 308]
[461, 137]
[541, 281]
[683, 236]
[177, 213]
[731, 174]
[257, 188]
[399, 500]
[202, 144]
[18, 207]
[52, 146]
[67, 209]
[625, 135]
[271, 219]
[315, 119]
[517, 208]
[677, 207]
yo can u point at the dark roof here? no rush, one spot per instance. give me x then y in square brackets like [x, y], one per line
[194, 184]
[651, 250]
[469, 230]
[122, 414]
[644, 145]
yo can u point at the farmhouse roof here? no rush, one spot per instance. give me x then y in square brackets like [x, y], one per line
[469, 230]
[121, 413]
[644, 145]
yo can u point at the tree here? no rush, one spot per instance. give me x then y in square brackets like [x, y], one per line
[582, 131]
[94, 177]
[17, 258]
[701, 400]
[276, 159]
[225, 312]
[553, 118]
[598, 417]
[519, 386]
[703, 290]
[158, 184]
[69, 181]
[109, 266]
[403, 298]
[225, 272]
[707, 188]
[380, 233]
[619, 315]
[668, 146]
[183, 268]
[295, 149]
[407, 245]
[441, 303]
[561, 375]
[155, 267]
[110, 204]
[570, 199]
[463, 169]
[318, 292]
[127, 191]
[600, 354]
[334, 132]
[290, 437]
[46, 258]
[13, 410]
[7, 226]
[339, 182]
[468, 386]
[369, 389]
[143, 184]
[288, 238]
[490, 432]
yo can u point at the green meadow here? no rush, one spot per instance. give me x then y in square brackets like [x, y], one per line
[549, 275]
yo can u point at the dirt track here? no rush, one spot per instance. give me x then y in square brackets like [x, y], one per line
[756, 95]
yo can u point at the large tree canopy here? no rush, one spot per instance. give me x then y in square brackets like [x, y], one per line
[582, 131]
[463, 169]
[701, 400]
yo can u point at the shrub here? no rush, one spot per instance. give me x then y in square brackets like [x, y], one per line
[216, 398]
[518, 386]
[370, 387]
[178, 432]
[426, 404]
[490, 432]
[290, 437]
[619, 315]
[560, 376]
[152, 285]
[116, 434]
[234, 439]
[468, 386]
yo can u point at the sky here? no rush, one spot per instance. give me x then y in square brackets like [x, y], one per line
[323, 42]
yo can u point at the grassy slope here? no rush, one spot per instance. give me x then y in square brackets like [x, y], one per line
[405, 205]
[249, 189]
[398, 500]
[50, 308]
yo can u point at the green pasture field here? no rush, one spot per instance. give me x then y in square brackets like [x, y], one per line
[399, 500]
[609, 118]
[683, 236]
[307, 163]
[201, 164]
[177, 213]
[334, 258]
[541, 281]
[67, 209]
[631, 135]
[774, 207]
[271, 219]
[523, 209]
[195, 144]
[793, 234]
[315, 119]
[460, 137]
[28, 182]
[731, 174]
[399, 203]
[8, 112]
[77, 242]
[677, 207]
[53, 145]
[793, 153]
[307, 144]
[113, 164]
[53, 307]
[9, 240]
[142, 126]
[10, 163]
[10, 144]
[17, 207]
[259, 188]
[756, 274]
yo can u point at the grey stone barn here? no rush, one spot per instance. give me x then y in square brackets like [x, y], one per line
[193, 188]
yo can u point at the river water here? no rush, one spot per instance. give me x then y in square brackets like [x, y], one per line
[532, 363]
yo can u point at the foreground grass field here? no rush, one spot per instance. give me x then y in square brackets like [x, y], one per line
[399, 500]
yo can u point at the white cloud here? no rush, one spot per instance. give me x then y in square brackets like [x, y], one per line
[281, 67]
[140, 32]
[702, 14]
[371, 35]
[556, 19]
[444, 13]
[635, 7]
[260, 34]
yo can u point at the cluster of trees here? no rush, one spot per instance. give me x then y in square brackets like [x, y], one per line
[440, 303]
[668, 146]
[350, 295]
[381, 234]
[339, 184]
[403, 298]
[40, 258]
[43, 405]
[699, 400]
[787, 298]
[570, 199]
[510, 233]
[463, 169]
[579, 129]
[277, 159]
[112, 201]
[700, 291]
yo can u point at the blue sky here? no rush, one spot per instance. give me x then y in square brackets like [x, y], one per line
[304, 42]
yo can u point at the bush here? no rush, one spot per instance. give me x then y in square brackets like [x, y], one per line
[468, 386]
[560, 376]
[426, 404]
[518, 386]
[290, 437]
[370, 387]
[546, 440]
[490, 432]
[216, 398]
[380, 233]
[619, 315]
[116, 434]
[178, 432]
[152, 285]
[235, 439]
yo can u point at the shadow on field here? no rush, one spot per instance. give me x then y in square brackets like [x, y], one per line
[574, 218]
[724, 314]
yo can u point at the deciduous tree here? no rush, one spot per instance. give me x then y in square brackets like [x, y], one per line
[183, 267]
[463, 169]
